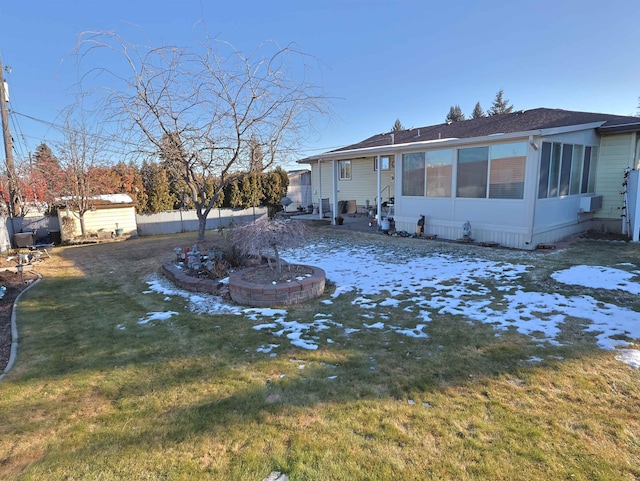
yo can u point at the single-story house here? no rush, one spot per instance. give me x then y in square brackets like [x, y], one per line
[110, 215]
[521, 179]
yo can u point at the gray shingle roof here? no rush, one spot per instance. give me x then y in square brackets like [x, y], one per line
[520, 121]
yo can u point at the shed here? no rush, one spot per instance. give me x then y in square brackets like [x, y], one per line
[112, 215]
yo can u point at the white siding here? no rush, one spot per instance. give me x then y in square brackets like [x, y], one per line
[362, 186]
[616, 155]
[505, 221]
[105, 220]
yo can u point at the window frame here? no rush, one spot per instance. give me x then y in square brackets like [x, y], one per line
[566, 169]
[344, 170]
[382, 159]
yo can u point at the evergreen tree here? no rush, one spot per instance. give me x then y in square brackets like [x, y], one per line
[477, 112]
[235, 196]
[500, 105]
[156, 189]
[272, 188]
[251, 190]
[47, 177]
[397, 126]
[455, 114]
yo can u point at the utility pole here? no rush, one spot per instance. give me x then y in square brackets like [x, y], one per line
[8, 147]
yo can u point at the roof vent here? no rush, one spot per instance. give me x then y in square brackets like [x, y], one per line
[393, 139]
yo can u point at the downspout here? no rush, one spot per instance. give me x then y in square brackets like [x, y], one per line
[335, 191]
[635, 235]
[379, 182]
[320, 189]
[535, 147]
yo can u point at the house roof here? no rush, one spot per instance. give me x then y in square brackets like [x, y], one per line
[519, 121]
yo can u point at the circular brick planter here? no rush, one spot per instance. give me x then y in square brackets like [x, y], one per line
[248, 293]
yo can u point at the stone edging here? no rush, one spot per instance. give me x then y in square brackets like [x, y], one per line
[190, 283]
[282, 294]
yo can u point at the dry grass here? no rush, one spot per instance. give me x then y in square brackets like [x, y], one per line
[191, 398]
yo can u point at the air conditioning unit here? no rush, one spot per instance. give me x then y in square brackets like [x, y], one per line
[591, 204]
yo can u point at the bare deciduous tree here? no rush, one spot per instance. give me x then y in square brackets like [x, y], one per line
[209, 109]
[269, 235]
[81, 154]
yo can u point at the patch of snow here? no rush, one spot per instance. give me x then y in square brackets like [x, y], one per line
[156, 316]
[377, 325]
[597, 277]
[630, 357]
[455, 286]
[267, 349]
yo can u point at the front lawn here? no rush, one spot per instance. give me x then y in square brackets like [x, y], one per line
[423, 360]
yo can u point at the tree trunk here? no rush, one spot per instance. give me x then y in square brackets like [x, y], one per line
[278, 264]
[83, 231]
[202, 224]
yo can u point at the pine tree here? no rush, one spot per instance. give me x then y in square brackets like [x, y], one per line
[455, 114]
[478, 112]
[500, 105]
[47, 177]
[397, 126]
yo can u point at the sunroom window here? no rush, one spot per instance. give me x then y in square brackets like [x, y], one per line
[566, 169]
[473, 166]
[413, 174]
[506, 172]
[439, 166]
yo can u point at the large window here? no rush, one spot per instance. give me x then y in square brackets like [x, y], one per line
[495, 172]
[473, 165]
[506, 171]
[413, 174]
[345, 169]
[427, 173]
[566, 169]
[439, 164]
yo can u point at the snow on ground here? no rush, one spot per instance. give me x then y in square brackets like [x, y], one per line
[456, 286]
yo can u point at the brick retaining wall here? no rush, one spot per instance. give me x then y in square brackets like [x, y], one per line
[281, 294]
[190, 283]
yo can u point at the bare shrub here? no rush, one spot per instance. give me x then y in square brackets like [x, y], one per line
[269, 236]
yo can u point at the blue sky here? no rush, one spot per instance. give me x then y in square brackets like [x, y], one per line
[382, 59]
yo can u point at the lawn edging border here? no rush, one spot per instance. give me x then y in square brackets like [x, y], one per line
[13, 354]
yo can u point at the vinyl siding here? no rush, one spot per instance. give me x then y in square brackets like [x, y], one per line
[105, 220]
[361, 187]
[614, 157]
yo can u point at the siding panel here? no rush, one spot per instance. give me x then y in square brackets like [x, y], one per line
[613, 159]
